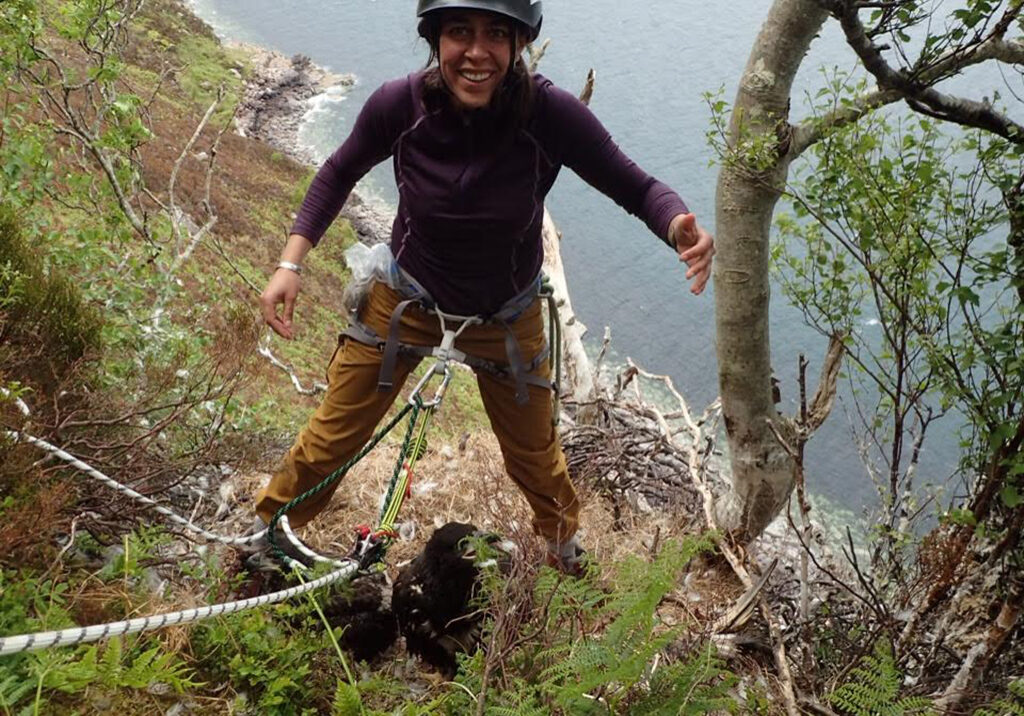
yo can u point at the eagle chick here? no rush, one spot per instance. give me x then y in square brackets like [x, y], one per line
[433, 594]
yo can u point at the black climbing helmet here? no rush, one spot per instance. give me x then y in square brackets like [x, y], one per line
[528, 12]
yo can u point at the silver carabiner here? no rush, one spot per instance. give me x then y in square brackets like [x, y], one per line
[439, 368]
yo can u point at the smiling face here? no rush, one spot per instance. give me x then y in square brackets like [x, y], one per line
[475, 50]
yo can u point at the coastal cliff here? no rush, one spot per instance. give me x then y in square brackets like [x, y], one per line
[279, 93]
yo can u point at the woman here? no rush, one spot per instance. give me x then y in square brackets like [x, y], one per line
[477, 142]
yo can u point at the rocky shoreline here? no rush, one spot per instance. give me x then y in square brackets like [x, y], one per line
[278, 95]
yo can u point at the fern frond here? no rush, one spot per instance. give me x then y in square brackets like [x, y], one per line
[1013, 705]
[695, 687]
[13, 689]
[873, 688]
[347, 701]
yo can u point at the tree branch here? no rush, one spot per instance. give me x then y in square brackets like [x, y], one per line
[812, 130]
[966, 112]
[315, 389]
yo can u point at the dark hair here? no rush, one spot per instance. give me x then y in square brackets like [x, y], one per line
[513, 98]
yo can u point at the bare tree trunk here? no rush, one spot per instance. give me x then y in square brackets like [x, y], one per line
[981, 654]
[748, 189]
[578, 381]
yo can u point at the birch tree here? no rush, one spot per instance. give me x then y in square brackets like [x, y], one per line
[761, 143]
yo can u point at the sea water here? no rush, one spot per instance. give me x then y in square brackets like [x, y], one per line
[655, 62]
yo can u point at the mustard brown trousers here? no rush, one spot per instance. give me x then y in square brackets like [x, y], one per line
[353, 406]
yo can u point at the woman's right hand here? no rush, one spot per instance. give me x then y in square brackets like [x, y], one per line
[283, 288]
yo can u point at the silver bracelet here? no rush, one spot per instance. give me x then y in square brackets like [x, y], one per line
[290, 266]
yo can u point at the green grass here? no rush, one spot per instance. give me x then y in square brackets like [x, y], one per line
[209, 66]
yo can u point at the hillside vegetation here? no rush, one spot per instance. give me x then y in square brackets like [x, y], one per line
[136, 230]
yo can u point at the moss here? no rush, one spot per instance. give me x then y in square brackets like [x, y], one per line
[169, 21]
[141, 76]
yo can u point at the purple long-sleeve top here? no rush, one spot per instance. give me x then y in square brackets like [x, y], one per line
[472, 187]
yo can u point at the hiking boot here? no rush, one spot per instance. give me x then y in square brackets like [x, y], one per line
[568, 557]
[259, 556]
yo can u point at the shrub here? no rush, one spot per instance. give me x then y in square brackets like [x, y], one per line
[40, 309]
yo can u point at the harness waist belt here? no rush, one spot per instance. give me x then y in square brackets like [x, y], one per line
[413, 293]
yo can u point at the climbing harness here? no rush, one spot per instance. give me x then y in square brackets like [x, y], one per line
[371, 544]
[516, 369]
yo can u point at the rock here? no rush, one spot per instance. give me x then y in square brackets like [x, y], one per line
[371, 220]
[158, 688]
[153, 582]
[276, 100]
[290, 79]
[111, 554]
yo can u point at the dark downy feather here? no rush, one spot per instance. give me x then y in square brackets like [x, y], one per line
[363, 608]
[433, 597]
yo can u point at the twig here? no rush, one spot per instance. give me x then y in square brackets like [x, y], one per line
[536, 54]
[315, 389]
[588, 87]
[739, 568]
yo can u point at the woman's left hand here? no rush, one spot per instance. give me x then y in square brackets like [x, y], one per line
[696, 248]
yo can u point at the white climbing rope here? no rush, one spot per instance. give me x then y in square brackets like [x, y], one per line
[83, 635]
[303, 549]
[137, 496]
[242, 541]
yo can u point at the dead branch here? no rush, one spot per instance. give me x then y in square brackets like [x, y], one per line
[579, 378]
[824, 397]
[981, 654]
[315, 389]
[179, 220]
[536, 54]
[588, 87]
[180, 255]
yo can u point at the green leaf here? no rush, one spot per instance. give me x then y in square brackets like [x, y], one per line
[347, 701]
[1011, 496]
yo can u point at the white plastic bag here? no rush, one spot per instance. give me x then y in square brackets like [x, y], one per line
[367, 264]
